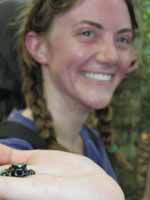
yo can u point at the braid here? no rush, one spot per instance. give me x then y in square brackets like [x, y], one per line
[37, 16]
[101, 120]
[104, 117]
[143, 162]
[33, 92]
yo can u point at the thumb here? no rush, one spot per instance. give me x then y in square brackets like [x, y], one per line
[9, 155]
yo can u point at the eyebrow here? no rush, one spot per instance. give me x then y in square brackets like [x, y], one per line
[99, 26]
[127, 30]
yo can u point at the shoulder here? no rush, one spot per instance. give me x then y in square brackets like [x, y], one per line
[27, 113]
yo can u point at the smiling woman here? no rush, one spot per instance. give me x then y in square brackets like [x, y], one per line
[72, 60]
[81, 60]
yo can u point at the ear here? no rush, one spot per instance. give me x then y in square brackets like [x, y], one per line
[134, 62]
[36, 47]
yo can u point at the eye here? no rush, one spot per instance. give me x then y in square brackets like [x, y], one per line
[87, 33]
[123, 41]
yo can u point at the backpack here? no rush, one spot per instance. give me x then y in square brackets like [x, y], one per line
[11, 129]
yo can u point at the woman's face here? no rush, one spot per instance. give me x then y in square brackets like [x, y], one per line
[88, 51]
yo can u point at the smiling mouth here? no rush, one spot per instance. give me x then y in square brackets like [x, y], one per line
[97, 76]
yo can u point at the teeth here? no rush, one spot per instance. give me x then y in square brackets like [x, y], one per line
[97, 76]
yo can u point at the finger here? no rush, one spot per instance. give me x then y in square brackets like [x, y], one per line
[9, 155]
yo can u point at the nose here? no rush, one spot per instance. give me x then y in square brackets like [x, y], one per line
[107, 52]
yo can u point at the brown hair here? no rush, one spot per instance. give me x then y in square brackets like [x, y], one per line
[37, 16]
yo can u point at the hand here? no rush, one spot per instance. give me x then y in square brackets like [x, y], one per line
[59, 176]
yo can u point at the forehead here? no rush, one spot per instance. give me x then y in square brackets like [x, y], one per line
[112, 14]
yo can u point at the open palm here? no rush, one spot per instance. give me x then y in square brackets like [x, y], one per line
[59, 176]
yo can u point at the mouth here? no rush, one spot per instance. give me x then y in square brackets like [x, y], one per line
[97, 76]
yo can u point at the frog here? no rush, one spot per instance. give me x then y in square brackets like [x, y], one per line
[17, 170]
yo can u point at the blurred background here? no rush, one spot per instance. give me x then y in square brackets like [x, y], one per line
[130, 118]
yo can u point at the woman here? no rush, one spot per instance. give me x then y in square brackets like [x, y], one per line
[72, 60]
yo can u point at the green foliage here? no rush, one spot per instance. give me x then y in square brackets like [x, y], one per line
[131, 104]
[144, 7]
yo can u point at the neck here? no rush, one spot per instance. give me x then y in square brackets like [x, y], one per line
[68, 117]
[68, 120]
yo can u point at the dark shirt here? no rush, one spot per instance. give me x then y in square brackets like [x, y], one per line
[95, 152]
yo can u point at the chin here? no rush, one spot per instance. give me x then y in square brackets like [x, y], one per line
[98, 104]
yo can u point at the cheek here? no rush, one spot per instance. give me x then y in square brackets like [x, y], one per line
[65, 66]
[72, 62]
[126, 61]
[69, 56]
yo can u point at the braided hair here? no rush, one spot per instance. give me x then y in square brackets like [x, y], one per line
[143, 163]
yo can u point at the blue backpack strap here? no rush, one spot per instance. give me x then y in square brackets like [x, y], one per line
[10, 129]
